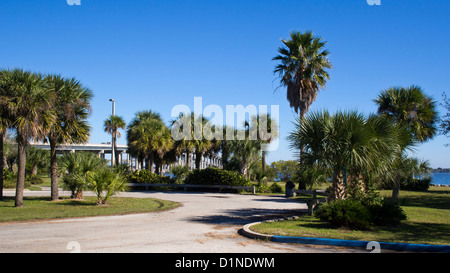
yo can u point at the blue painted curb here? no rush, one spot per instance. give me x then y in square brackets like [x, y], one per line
[363, 244]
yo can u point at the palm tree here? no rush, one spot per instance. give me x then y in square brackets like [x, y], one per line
[412, 109]
[148, 136]
[112, 126]
[302, 69]
[29, 106]
[72, 107]
[346, 143]
[264, 125]
[4, 125]
[76, 169]
[245, 151]
[192, 137]
[135, 151]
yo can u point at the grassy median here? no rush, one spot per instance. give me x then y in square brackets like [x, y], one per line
[428, 222]
[41, 208]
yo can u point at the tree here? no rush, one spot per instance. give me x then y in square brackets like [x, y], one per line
[148, 136]
[302, 69]
[345, 144]
[36, 158]
[245, 151]
[411, 107]
[112, 126]
[445, 121]
[285, 169]
[264, 133]
[29, 106]
[76, 168]
[72, 107]
[4, 125]
[191, 137]
[414, 110]
[134, 150]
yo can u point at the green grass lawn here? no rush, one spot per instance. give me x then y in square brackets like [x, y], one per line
[428, 222]
[41, 208]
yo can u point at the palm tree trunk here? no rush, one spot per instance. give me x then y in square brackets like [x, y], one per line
[21, 161]
[198, 159]
[53, 171]
[263, 161]
[116, 156]
[151, 162]
[338, 189]
[188, 160]
[244, 168]
[395, 191]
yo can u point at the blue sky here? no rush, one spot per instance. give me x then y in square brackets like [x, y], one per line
[158, 54]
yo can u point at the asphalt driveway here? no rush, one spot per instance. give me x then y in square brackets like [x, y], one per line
[205, 223]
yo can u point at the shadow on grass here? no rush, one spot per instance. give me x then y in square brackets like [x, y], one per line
[431, 201]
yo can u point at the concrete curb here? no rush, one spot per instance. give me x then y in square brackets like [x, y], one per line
[245, 231]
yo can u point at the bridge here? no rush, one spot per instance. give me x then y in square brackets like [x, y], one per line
[103, 149]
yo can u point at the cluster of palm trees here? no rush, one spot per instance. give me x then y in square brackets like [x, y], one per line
[152, 142]
[348, 146]
[41, 107]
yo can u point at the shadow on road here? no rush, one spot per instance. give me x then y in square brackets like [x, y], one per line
[245, 216]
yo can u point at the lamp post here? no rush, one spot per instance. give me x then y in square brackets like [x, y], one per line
[113, 156]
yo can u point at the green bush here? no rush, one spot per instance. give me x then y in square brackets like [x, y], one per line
[416, 184]
[105, 182]
[387, 213]
[345, 213]
[275, 188]
[146, 177]
[215, 176]
[262, 188]
[34, 179]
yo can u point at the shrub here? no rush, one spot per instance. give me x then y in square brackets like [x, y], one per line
[215, 176]
[345, 213]
[262, 188]
[417, 184]
[146, 177]
[387, 213]
[180, 173]
[275, 188]
[34, 180]
[105, 182]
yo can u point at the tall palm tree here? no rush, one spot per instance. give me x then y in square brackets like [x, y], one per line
[112, 126]
[72, 106]
[140, 117]
[302, 68]
[412, 108]
[29, 105]
[147, 136]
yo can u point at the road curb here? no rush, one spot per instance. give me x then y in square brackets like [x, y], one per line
[245, 231]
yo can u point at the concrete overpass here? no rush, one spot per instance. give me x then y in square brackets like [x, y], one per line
[125, 158]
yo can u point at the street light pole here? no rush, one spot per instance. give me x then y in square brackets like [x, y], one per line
[113, 156]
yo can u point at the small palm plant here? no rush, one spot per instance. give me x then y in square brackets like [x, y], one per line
[105, 183]
[76, 169]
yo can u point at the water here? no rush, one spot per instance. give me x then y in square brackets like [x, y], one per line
[440, 178]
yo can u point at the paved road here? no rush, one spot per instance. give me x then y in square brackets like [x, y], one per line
[205, 223]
